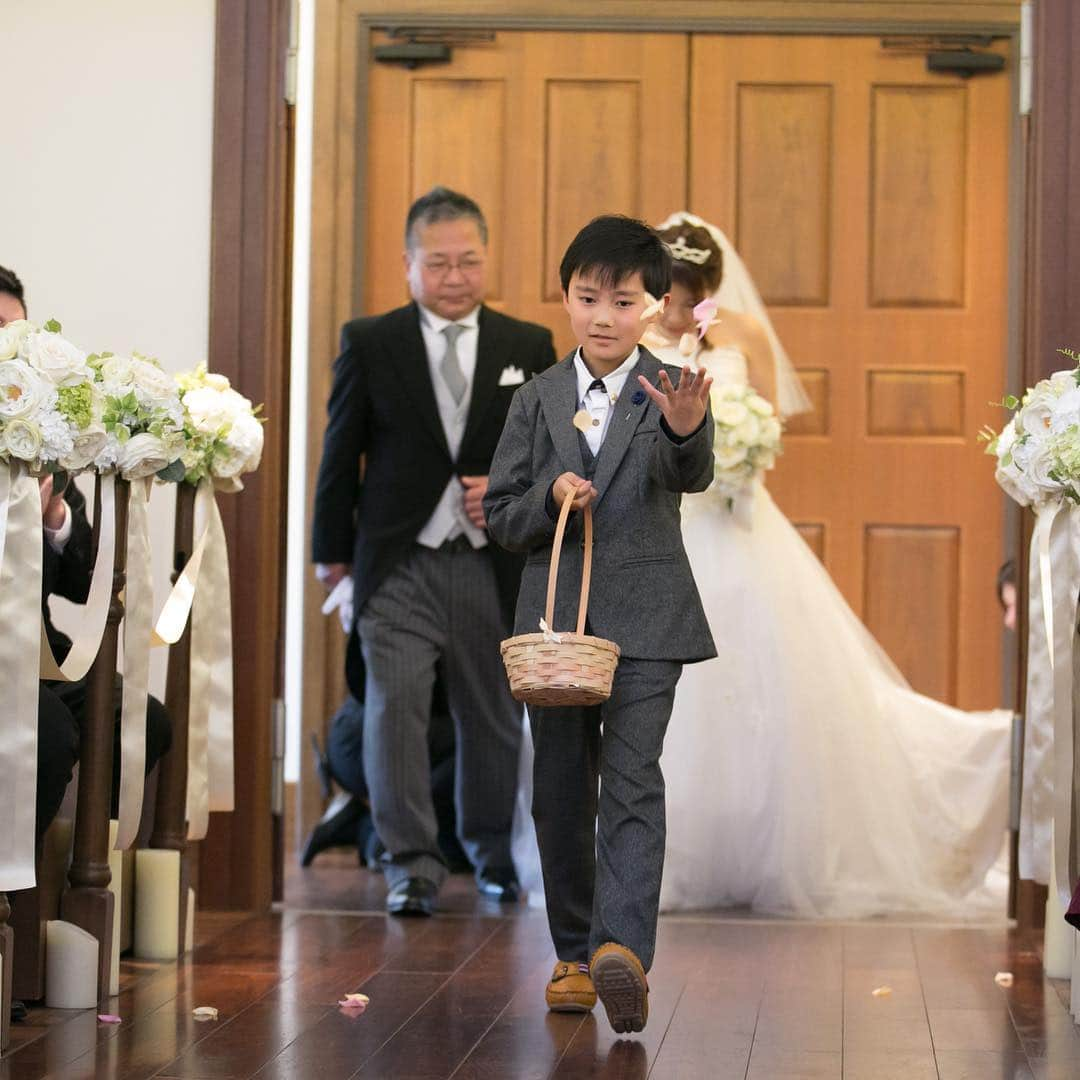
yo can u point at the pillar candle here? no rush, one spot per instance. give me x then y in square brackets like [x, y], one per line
[71, 963]
[189, 929]
[127, 905]
[157, 903]
[1058, 935]
[116, 887]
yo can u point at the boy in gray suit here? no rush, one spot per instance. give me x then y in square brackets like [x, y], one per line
[612, 427]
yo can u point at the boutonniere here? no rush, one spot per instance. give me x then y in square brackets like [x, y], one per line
[638, 397]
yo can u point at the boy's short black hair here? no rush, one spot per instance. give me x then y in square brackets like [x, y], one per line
[613, 247]
[442, 204]
[10, 283]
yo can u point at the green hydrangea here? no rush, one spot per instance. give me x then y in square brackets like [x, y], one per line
[76, 404]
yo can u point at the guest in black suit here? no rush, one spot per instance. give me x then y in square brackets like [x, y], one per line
[66, 569]
[348, 823]
[420, 396]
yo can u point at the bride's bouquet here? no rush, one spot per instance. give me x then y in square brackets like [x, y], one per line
[223, 432]
[1038, 450]
[746, 441]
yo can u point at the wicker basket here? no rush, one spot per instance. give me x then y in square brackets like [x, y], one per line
[562, 669]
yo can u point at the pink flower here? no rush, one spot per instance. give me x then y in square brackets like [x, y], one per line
[705, 315]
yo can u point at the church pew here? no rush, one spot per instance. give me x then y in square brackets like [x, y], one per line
[170, 813]
[88, 903]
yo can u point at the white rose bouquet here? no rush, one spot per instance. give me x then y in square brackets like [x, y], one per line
[1038, 450]
[50, 406]
[142, 419]
[746, 440]
[223, 432]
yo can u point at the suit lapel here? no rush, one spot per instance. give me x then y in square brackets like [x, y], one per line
[486, 376]
[624, 422]
[415, 374]
[557, 389]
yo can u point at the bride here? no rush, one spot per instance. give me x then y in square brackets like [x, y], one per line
[804, 776]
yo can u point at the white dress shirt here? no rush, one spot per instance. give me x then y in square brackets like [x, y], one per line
[449, 519]
[600, 403]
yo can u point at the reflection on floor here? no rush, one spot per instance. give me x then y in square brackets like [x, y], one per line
[462, 995]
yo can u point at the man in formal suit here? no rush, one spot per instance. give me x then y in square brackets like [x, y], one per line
[421, 394]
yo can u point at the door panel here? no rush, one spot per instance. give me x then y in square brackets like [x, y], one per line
[545, 131]
[869, 199]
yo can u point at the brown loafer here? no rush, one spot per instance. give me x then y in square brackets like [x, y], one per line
[570, 988]
[620, 984]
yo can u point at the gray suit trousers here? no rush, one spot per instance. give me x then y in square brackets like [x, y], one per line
[602, 851]
[438, 605]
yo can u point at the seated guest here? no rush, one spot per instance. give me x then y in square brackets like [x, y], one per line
[66, 570]
[1006, 593]
[349, 821]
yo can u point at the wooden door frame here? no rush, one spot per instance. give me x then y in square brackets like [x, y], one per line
[343, 30]
[1052, 260]
[250, 225]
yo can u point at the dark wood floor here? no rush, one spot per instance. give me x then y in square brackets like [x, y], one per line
[462, 996]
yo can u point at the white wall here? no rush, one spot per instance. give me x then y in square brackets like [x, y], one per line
[105, 180]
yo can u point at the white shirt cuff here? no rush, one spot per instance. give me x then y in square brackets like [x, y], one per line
[58, 538]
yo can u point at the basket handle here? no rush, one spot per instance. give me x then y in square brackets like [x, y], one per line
[586, 570]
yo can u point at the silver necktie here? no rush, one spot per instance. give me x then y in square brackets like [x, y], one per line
[452, 374]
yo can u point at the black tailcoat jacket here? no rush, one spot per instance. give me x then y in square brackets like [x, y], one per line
[382, 410]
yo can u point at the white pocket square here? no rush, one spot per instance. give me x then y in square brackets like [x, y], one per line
[511, 376]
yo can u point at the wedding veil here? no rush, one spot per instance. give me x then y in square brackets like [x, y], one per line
[737, 292]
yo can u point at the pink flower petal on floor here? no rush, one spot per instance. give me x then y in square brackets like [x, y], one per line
[108, 1018]
[205, 1012]
[354, 1004]
[881, 991]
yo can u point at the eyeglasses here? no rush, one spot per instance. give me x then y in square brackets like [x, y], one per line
[442, 267]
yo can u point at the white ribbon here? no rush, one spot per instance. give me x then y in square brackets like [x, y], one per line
[91, 624]
[1046, 833]
[20, 616]
[1059, 573]
[138, 617]
[1037, 798]
[210, 721]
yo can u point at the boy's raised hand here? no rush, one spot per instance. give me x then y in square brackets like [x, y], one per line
[571, 482]
[682, 406]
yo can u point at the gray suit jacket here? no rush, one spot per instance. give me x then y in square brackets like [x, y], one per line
[643, 595]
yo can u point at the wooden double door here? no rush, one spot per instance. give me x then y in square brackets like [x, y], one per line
[869, 200]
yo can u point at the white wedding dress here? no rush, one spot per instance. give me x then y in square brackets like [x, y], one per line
[804, 776]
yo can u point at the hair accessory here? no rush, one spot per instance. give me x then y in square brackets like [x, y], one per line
[738, 293]
[705, 315]
[684, 253]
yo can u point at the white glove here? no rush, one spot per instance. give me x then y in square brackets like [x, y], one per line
[341, 600]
